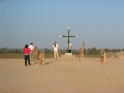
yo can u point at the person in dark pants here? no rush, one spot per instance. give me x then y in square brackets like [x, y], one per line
[69, 47]
[26, 55]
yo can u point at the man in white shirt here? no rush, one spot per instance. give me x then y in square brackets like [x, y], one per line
[69, 47]
[32, 51]
[56, 49]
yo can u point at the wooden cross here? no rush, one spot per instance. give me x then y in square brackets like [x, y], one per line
[68, 36]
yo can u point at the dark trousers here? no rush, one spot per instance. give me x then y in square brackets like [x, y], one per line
[69, 51]
[27, 58]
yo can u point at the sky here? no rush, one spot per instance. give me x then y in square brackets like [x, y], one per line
[98, 23]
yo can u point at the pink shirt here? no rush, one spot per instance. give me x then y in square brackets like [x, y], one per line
[27, 51]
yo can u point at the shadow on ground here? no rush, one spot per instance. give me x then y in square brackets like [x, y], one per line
[38, 62]
[48, 62]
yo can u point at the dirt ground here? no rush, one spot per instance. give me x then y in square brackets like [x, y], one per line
[86, 76]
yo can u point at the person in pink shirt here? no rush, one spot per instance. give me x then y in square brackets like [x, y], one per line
[27, 55]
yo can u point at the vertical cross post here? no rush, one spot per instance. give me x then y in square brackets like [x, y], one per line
[68, 36]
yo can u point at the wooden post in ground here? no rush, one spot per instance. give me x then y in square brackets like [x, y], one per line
[83, 49]
[41, 57]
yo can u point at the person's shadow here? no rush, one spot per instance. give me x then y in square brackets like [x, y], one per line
[38, 62]
[46, 63]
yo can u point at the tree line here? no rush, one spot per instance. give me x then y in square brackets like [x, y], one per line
[89, 51]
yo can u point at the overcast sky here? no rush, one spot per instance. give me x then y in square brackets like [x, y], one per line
[100, 23]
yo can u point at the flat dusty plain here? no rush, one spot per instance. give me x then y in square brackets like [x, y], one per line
[86, 76]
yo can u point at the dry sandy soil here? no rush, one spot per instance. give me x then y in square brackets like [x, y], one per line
[86, 76]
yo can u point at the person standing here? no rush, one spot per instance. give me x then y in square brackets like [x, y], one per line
[69, 47]
[26, 55]
[55, 49]
[32, 50]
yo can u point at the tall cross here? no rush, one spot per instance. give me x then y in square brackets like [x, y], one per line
[68, 36]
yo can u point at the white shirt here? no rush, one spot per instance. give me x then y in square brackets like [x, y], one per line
[69, 46]
[31, 47]
[55, 48]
